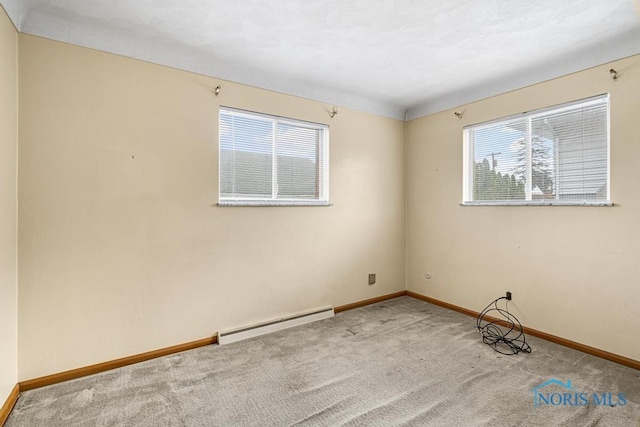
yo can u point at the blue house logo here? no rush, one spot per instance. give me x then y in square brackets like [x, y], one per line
[557, 393]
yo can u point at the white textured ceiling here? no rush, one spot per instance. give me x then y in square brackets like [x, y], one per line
[398, 58]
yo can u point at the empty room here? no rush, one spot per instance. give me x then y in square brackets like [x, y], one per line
[383, 213]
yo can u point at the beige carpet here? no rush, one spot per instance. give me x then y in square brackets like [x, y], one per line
[399, 362]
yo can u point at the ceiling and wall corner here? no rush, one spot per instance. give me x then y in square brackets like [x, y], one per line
[401, 59]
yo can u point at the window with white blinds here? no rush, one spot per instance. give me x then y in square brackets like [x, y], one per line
[269, 160]
[554, 156]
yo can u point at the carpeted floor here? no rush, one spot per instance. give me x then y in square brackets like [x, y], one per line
[399, 362]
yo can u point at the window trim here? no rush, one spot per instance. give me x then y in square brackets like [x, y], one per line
[323, 180]
[565, 203]
[468, 155]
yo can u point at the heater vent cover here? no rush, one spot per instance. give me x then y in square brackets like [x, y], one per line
[228, 337]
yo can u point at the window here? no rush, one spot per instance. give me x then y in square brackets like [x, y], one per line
[269, 161]
[555, 156]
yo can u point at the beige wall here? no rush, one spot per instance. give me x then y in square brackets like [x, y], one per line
[574, 271]
[121, 247]
[8, 199]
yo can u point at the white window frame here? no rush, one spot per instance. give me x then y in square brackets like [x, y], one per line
[468, 158]
[273, 200]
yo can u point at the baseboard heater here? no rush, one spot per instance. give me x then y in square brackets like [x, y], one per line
[274, 325]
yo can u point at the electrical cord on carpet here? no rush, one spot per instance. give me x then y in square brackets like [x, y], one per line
[510, 342]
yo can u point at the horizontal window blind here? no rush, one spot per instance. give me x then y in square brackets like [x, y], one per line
[558, 155]
[271, 160]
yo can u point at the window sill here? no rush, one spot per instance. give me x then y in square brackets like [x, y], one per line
[540, 203]
[270, 203]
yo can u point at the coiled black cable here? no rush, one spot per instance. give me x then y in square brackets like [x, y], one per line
[504, 335]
